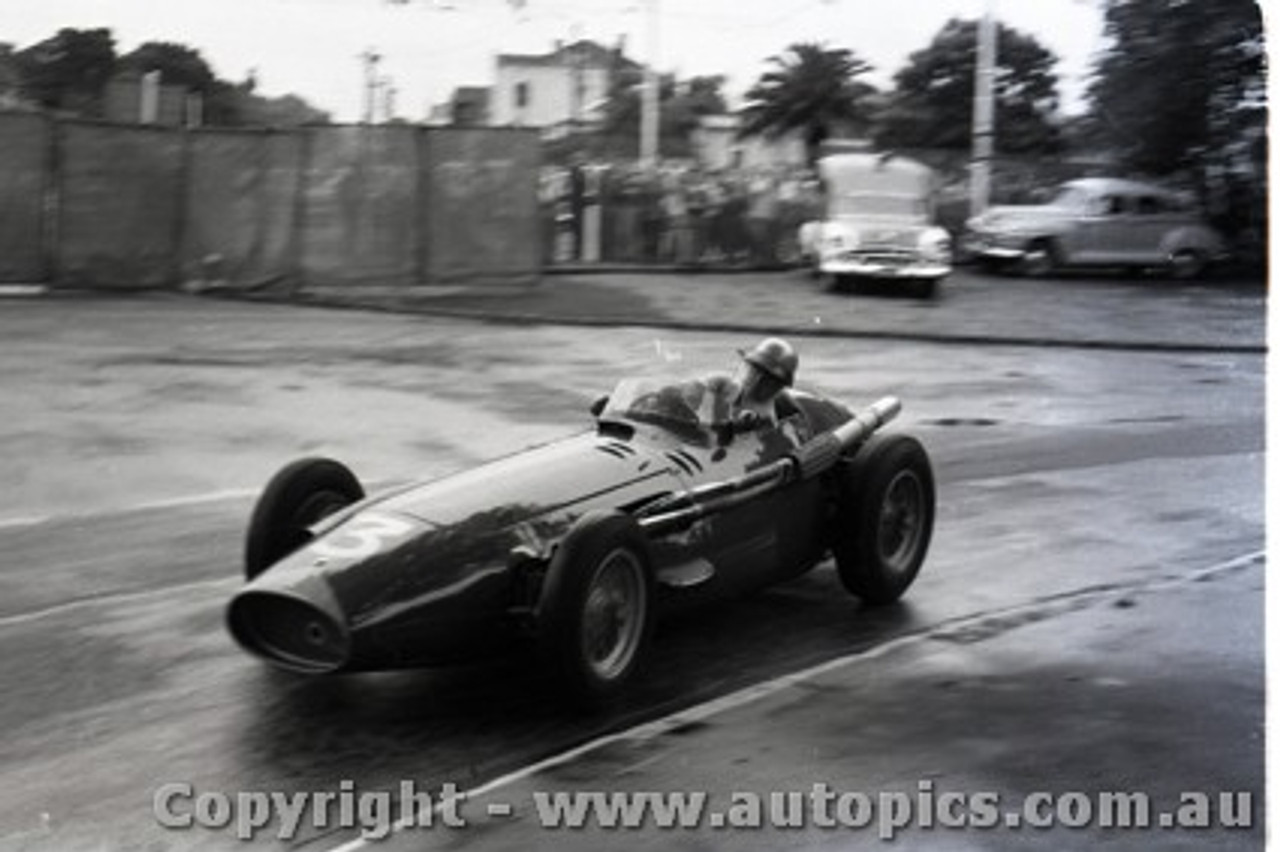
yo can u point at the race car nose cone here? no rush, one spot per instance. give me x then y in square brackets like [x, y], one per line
[288, 631]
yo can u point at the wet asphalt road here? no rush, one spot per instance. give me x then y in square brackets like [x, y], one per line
[135, 432]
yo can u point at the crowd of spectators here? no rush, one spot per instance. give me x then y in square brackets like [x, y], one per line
[679, 214]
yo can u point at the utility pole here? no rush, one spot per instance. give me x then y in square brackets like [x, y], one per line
[649, 106]
[577, 83]
[983, 114]
[149, 98]
[389, 92]
[370, 59]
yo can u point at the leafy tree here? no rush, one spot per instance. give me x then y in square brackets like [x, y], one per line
[811, 89]
[286, 111]
[1181, 90]
[700, 96]
[225, 103]
[68, 71]
[178, 65]
[681, 113]
[932, 104]
[680, 106]
[1177, 80]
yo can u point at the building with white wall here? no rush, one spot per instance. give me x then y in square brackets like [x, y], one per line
[716, 145]
[555, 91]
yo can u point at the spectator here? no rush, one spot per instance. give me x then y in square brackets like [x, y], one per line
[677, 240]
[696, 209]
[762, 221]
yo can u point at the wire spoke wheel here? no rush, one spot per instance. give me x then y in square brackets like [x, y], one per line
[901, 524]
[594, 614]
[884, 513]
[613, 614]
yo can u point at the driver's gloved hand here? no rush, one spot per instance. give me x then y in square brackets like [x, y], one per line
[724, 431]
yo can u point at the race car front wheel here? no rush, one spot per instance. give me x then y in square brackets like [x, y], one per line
[595, 610]
[885, 510]
[300, 495]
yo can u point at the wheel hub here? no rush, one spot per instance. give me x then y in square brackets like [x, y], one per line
[613, 615]
[901, 516]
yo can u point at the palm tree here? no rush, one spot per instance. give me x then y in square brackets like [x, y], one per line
[811, 89]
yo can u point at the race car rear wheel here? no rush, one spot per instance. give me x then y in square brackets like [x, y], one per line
[885, 511]
[595, 612]
[300, 495]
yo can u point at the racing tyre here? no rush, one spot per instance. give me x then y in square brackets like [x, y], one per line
[595, 613]
[885, 510]
[301, 494]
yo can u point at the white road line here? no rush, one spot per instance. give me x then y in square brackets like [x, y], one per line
[196, 499]
[751, 694]
[225, 495]
[148, 506]
[18, 290]
[30, 521]
[114, 597]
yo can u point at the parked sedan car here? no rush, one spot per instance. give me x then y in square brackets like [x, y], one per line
[877, 224]
[1101, 222]
[570, 548]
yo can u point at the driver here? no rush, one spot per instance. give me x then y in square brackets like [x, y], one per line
[750, 397]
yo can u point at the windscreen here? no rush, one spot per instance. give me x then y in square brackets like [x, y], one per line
[686, 408]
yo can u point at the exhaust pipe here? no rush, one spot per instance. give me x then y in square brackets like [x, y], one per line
[812, 459]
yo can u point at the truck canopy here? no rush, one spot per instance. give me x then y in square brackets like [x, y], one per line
[876, 184]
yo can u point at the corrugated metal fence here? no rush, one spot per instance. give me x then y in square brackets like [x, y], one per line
[113, 206]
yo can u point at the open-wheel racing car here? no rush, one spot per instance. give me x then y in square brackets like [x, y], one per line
[574, 546]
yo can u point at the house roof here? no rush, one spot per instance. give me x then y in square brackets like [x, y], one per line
[472, 94]
[583, 53]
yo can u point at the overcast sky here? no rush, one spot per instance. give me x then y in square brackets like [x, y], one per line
[311, 47]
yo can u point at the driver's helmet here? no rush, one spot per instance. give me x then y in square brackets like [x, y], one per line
[776, 357]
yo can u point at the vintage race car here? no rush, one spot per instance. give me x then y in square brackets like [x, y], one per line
[572, 547]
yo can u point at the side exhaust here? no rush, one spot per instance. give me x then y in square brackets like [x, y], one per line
[811, 459]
